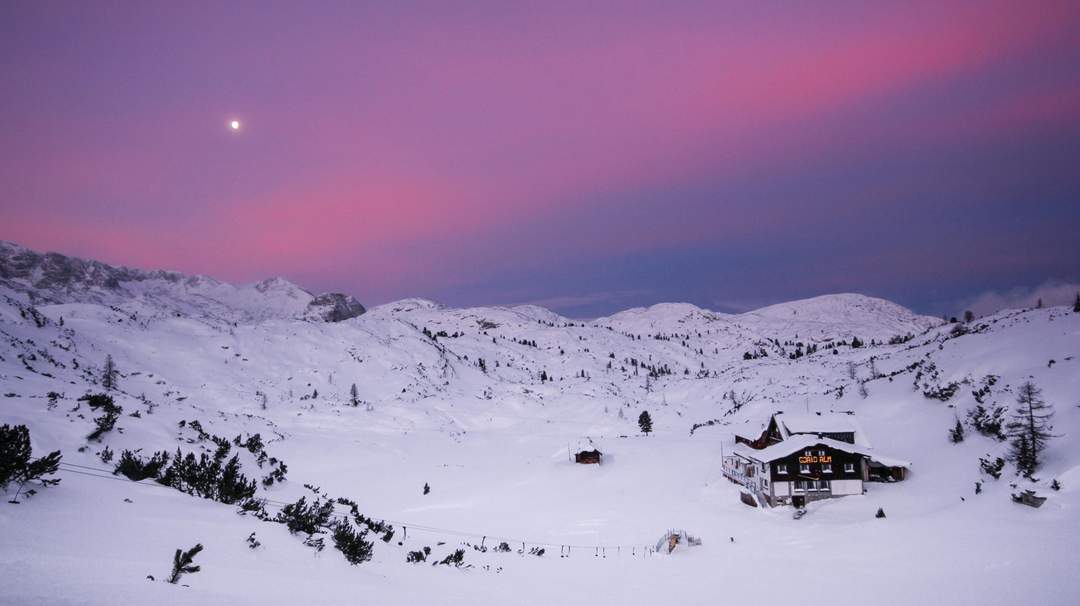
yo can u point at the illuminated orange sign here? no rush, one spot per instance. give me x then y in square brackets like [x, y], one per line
[823, 459]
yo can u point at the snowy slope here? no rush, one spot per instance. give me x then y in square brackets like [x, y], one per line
[491, 439]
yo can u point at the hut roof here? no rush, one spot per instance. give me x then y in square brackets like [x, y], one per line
[584, 445]
[826, 422]
[802, 442]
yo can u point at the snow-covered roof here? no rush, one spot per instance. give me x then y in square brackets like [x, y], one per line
[585, 445]
[826, 422]
[802, 442]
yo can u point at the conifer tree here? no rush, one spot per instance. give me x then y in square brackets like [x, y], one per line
[1029, 428]
[16, 464]
[352, 544]
[1076, 305]
[956, 434]
[644, 421]
[109, 374]
[354, 396]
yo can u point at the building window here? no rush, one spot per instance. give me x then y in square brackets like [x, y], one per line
[821, 453]
[849, 468]
[808, 453]
[764, 483]
[824, 484]
[826, 468]
[804, 469]
[781, 469]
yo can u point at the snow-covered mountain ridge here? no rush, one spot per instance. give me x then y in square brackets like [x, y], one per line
[481, 403]
[54, 278]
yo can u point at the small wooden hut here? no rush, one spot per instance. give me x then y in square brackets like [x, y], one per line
[586, 452]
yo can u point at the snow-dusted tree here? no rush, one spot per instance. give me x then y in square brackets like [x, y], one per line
[109, 374]
[354, 395]
[352, 544]
[1076, 305]
[182, 563]
[1030, 428]
[851, 370]
[16, 465]
[1039, 304]
[956, 434]
[644, 422]
[969, 316]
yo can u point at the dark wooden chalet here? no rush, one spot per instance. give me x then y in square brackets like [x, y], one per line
[797, 459]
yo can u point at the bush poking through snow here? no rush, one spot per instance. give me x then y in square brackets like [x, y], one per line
[414, 557]
[992, 468]
[182, 563]
[361, 520]
[352, 544]
[252, 542]
[132, 466]
[16, 466]
[942, 392]
[306, 518]
[107, 421]
[455, 559]
[207, 478]
[880, 513]
[988, 421]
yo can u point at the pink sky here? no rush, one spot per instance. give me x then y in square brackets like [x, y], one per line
[419, 150]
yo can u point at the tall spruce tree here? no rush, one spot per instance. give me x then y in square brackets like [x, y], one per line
[109, 374]
[1076, 305]
[354, 396]
[1029, 429]
[644, 421]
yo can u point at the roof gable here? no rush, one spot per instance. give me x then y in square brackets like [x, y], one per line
[802, 442]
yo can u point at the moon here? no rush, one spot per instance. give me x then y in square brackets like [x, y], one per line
[234, 125]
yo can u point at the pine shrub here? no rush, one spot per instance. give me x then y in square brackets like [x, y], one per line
[16, 464]
[182, 563]
[134, 468]
[352, 544]
[302, 517]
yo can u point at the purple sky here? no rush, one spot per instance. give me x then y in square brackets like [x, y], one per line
[588, 159]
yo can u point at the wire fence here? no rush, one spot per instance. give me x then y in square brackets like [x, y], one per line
[343, 513]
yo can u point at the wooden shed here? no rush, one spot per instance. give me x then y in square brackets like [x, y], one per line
[586, 452]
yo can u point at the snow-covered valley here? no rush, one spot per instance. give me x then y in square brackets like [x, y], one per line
[481, 405]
